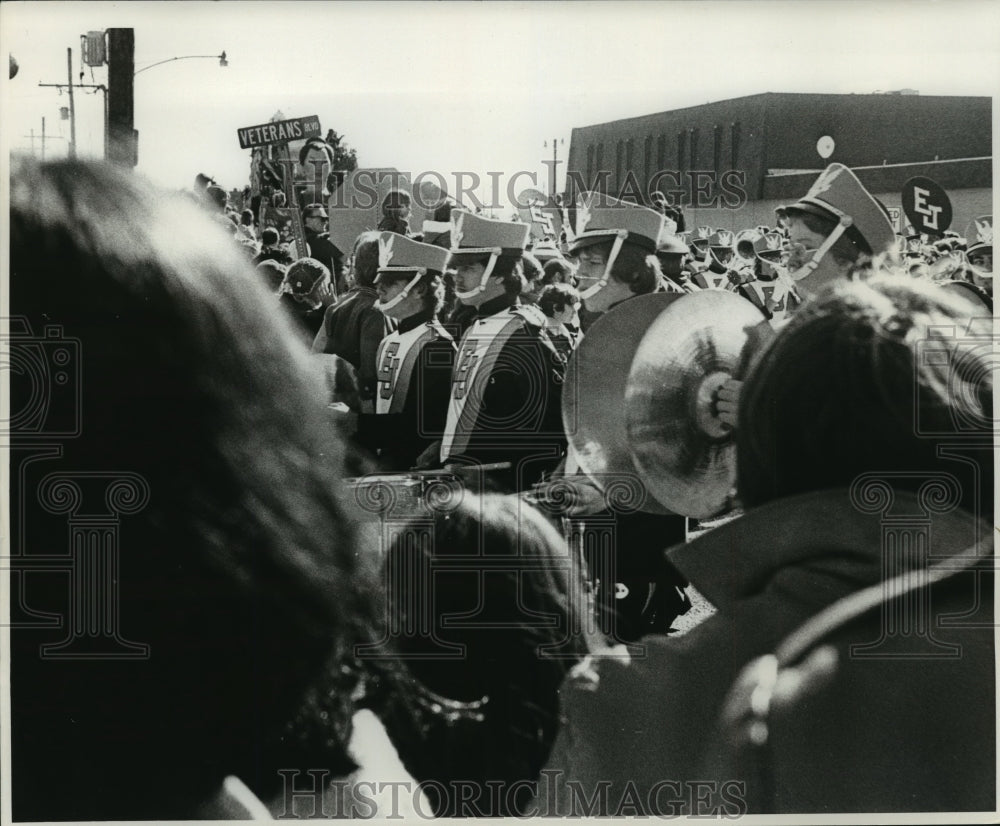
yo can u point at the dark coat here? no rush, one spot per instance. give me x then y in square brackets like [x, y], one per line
[353, 330]
[520, 418]
[401, 437]
[634, 721]
[326, 252]
[902, 722]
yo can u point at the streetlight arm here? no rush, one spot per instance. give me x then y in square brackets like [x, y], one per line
[220, 57]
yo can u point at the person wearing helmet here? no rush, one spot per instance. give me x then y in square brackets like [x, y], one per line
[836, 229]
[670, 251]
[615, 252]
[415, 360]
[979, 252]
[505, 414]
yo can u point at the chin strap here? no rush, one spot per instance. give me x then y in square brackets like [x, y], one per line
[594, 289]
[487, 272]
[807, 269]
[388, 305]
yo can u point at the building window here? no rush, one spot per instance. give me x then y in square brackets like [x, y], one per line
[629, 154]
[682, 140]
[734, 138]
[618, 162]
[693, 133]
[717, 148]
[661, 153]
[590, 163]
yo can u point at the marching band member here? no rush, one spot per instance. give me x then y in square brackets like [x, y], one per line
[836, 227]
[615, 251]
[506, 386]
[416, 359]
[670, 252]
[720, 256]
[980, 253]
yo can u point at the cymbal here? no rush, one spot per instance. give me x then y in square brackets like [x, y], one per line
[686, 455]
[977, 295]
[593, 397]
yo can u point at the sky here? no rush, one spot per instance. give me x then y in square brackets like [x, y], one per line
[457, 86]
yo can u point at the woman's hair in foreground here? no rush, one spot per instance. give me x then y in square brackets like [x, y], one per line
[869, 376]
[524, 628]
[239, 573]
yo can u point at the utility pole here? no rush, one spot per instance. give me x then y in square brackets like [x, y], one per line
[72, 108]
[121, 135]
[45, 138]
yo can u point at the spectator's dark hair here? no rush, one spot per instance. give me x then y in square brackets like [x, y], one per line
[557, 271]
[237, 565]
[246, 217]
[395, 199]
[269, 236]
[844, 389]
[532, 268]
[557, 297]
[510, 654]
[366, 258]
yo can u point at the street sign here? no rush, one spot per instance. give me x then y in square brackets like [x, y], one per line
[267, 134]
[927, 206]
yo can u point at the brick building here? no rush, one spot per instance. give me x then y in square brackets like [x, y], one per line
[729, 163]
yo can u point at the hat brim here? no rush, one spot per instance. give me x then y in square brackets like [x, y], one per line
[801, 206]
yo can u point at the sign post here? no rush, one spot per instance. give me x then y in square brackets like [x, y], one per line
[279, 134]
[282, 131]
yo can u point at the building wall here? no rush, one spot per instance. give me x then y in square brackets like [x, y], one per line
[770, 131]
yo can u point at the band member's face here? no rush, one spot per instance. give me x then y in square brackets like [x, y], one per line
[590, 266]
[388, 289]
[803, 243]
[670, 263]
[468, 276]
[982, 260]
[724, 255]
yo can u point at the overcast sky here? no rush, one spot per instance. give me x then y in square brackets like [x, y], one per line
[467, 86]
